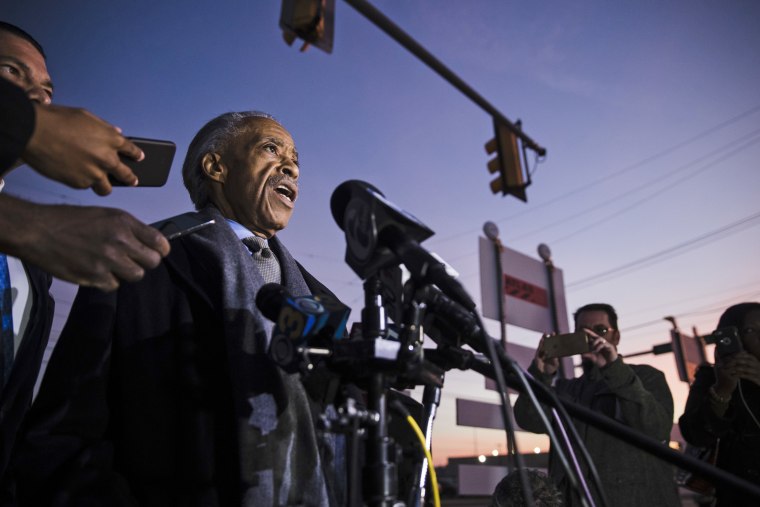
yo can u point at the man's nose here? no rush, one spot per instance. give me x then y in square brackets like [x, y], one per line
[39, 95]
[290, 168]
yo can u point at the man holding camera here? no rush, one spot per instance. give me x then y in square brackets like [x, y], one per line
[635, 395]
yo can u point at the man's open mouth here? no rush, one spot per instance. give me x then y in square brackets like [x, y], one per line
[287, 190]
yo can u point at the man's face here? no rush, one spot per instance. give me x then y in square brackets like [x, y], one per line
[259, 186]
[23, 65]
[750, 333]
[597, 321]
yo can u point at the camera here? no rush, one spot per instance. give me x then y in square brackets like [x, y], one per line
[726, 340]
[568, 344]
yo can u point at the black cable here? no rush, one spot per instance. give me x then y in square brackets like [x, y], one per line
[646, 443]
[506, 412]
[575, 476]
[562, 418]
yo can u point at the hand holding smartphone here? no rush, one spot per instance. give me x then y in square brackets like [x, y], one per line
[727, 341]
[567, 344]
[153, 170]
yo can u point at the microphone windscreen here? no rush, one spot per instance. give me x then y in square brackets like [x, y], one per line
[342, 195]
[270, 300]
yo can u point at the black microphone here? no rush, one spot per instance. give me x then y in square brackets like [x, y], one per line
[448, 321]
[300, 322]
[378, 233]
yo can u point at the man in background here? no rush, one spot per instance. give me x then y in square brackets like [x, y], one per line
[635, 395]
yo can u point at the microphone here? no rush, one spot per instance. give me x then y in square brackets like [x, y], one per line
[378, 234]
[449, 321]
[300, 322]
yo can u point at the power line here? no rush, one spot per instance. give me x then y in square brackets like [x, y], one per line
[648, 197]
[668, 252]
[714, 307]
[586, 186]
[712, 294]
[648, 184]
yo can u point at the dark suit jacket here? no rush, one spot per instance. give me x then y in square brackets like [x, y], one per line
[17, 395]
[161, 393]
[16, 127]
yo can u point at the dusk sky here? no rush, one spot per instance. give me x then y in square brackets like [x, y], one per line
[649, 111]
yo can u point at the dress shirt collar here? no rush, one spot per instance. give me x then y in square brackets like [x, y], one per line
[240, 230]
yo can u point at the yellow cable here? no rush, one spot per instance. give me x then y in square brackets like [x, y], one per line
[433, 477]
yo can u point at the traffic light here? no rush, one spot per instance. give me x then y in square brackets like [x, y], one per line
[313, 21]
[508, 163]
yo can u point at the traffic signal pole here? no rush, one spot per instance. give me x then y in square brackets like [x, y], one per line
[403, 38]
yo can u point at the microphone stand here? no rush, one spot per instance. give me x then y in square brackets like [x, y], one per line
[431, 400]
[380, 478]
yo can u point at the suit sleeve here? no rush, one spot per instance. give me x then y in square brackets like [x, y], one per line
[63, 457]
[643, 396]
[16, 123]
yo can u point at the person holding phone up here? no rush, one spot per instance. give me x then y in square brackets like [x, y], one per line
[635, 395]
[723, 408]
[86, 245]
[89, 246]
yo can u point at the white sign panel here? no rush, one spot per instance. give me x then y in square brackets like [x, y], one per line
[524, 288]
[479, 414]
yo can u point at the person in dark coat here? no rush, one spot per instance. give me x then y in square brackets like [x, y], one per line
[635, 395]
[723, 408]
[36, 239]
[162, 392]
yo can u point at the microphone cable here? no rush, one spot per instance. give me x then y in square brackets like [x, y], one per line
[423, 444]
[506, 412]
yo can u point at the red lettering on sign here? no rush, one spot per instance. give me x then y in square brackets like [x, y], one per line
[521, 289]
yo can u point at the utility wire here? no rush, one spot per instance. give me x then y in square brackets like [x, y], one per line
[711, 294]
[586, 186]
[715, 307]
[648, 197]
[629, 192]
[667, 253]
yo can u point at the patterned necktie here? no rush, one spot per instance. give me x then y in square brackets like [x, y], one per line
[269, 266]
[6, 336]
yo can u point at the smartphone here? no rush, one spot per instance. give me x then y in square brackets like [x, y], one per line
[726, 340]
[568, 344]
[153, 170]
[180, 225]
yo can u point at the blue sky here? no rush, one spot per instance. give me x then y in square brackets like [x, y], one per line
[649, 111]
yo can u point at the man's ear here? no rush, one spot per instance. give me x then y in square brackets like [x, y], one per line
[615, 337]
[213, 167]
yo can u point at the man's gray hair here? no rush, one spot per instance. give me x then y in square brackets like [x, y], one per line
[213, 138]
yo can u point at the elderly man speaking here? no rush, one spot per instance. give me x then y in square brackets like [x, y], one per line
[162, 393]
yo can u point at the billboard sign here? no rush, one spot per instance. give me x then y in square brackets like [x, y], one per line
[524, 288]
